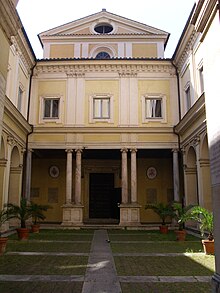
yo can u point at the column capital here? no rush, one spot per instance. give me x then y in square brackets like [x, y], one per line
[79, 150]
[69, 150]
[175, 150]
[133, 150]
[124, 150]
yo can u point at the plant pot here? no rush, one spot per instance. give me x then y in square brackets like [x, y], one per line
[180, 235]
[164, 229]
[208, 246]
[23, 233]
[35, 228]
[3, 242]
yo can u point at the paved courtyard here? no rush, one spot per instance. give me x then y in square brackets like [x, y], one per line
[98, 261]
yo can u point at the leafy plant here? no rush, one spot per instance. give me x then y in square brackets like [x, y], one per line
[181, 213]
[22, 212]
[3, 217]
[162, 210]
[37, 211]
[205, 220]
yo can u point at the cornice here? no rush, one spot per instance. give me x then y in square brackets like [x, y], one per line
[102, 130]
[197, 110]
[23, 51]
[128, 69]
[9, 19]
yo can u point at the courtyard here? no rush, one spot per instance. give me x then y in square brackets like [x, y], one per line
[66, 260]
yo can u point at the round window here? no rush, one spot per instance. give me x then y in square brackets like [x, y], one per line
[103, 28]
[102, 55]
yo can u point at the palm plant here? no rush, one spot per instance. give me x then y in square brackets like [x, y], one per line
[3, 217]
[22, 212]
[205, 220]
[162, 210]
[181, 213]
[37, 211]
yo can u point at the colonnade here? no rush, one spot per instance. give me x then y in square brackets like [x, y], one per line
[129, 207]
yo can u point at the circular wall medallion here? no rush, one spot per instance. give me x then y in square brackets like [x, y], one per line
[151, 172]
[54, 171]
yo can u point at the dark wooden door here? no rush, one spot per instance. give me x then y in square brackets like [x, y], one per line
[101, 194]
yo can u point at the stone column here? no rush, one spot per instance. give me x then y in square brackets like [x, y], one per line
[28, 174]
[133, 176]
[176, 179]
[78, 199]
[69, 176]
[124, 176]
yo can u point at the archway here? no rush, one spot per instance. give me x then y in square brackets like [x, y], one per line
[191, 182]
[14, 191]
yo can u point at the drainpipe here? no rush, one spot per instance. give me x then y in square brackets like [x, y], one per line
[179, 112]
[28, 117]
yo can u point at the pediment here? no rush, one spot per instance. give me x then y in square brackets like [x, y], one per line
[86, 25]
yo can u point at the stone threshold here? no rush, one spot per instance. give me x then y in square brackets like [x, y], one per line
[122, 279]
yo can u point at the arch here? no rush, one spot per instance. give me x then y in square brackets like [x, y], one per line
[204, 148]
[15, 177]
[98, 49]
[191, 178]
[15, 157]
[2, 151]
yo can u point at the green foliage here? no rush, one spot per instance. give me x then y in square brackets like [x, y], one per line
[3, 216]
[22, 212]
[181, 213]
[205, 220]
[162, 210]
[37, 211]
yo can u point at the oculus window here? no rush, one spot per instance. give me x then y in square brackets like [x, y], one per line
[103, 28]
[102, 55]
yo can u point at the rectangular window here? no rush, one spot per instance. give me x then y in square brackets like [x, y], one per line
[153, 108]
[51, 108]
[201, 80]
[188, 98]
[101, 108]
[20, 96]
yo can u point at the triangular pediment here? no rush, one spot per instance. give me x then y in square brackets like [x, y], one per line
[86, 26]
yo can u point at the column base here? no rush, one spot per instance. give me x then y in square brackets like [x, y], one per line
[129, 214]
[216, 283]
[72, 215]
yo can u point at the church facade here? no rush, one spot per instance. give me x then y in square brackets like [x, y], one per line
[104, 124]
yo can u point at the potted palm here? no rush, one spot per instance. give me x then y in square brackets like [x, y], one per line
[3, 240]
[181, 214]
[164, 211]
[37, 214]
[22, 212]
[205, 220]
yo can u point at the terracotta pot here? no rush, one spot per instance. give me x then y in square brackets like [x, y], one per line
[180, 235]
[35, 228]
[164, 229]
[208, 246]
[3, 242]
[23, 233]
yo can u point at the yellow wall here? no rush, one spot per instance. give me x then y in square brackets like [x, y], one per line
[101, 87]
[144, 50]
[61, 51]
[4, 53]
[161, 183]
[41, 179]
[154, 87]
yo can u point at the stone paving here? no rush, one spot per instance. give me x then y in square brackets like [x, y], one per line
[101, 275]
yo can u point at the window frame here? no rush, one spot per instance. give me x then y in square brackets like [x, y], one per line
[201, 79]
[154, 96]
[51, 109]
[188, 96]
[92, 117]
[20, 97]
[42, 118]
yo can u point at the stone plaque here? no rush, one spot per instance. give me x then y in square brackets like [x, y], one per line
[151, 195]
[53, 195]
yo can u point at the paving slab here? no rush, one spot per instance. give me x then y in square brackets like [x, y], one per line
[101, 276]
[41, 278]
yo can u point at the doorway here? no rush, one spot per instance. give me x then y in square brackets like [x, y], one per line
[103, 197]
